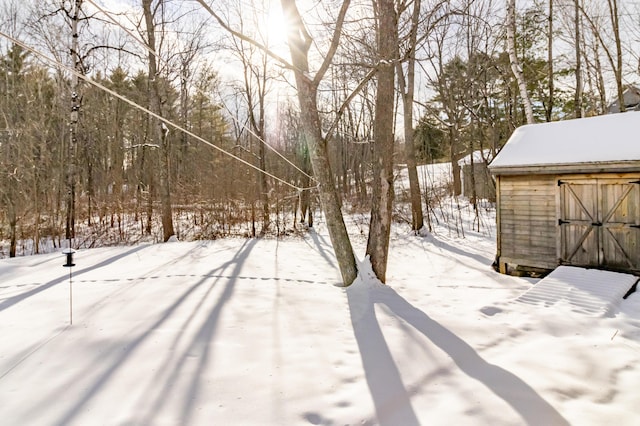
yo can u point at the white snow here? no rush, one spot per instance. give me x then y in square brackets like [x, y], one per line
[257, 332]
[585, 290]
[478, 157]
[607, 138]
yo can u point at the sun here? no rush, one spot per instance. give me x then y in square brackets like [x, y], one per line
[274, 26]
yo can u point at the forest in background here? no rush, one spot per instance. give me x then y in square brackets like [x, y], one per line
[78, 162]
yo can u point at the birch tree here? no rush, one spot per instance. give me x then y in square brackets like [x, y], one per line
[516, 67]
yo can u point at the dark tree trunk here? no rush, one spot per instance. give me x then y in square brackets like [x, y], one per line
[159, 131]
[455, 167]
[12, 231]
[550, 102]
[383, 194]
[578, 94]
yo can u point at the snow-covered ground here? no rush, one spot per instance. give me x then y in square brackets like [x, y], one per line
[257, 332]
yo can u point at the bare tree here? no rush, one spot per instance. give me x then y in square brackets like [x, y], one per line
[407, 90]
[383, 195]
[593, 17]
[255, 86]
[300, 43]
[617, 69]
[516, 68]
[550, 76]
[578, 48]
[160, 131]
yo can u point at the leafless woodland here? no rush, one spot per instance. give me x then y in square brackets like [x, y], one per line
[135, 120]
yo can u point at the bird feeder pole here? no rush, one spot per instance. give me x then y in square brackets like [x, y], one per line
[69, 264]
[71, 153]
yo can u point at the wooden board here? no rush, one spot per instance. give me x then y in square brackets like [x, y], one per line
[599, 223]
[527, 219]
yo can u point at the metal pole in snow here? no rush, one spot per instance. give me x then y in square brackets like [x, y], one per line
[69, 253]
[70, 300]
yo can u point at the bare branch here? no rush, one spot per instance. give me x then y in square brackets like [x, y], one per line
[241, 36]
[347, 101]
[334, 43]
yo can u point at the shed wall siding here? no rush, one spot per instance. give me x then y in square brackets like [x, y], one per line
[527, 220]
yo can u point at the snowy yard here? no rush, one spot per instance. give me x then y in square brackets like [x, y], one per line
[256, 332]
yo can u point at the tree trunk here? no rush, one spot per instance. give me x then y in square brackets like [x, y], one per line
[38, 214]
[13, 220]
[159, 131]
[305, 196]
[150, 193]
[453, 155]
[383, 194]
[407, 88]
[165, 186]
[549, 108]
[615, 24]
[602, 88]
[578, 93]
[322, 171]
[299, 44]
[253, 219]
[184, 121]
[516, 68]
[262, 177]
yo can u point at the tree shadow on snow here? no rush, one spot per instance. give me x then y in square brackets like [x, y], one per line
[391, 399]
[199, 347]
[323, 247]
[7, 303]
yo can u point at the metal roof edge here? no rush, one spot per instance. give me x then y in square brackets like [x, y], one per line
[587, 167]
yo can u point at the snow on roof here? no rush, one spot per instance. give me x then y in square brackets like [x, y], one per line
[478, 157]
[631, 99]
[607, 138]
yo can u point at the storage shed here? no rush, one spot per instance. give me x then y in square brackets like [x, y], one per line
[568, 193]
[478, 174]
[631, 99]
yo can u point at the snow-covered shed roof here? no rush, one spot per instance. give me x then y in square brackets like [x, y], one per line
[604, 143]
[478, 157]
[631, 99]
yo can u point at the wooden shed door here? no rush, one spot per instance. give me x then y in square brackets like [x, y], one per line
[600, 223]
